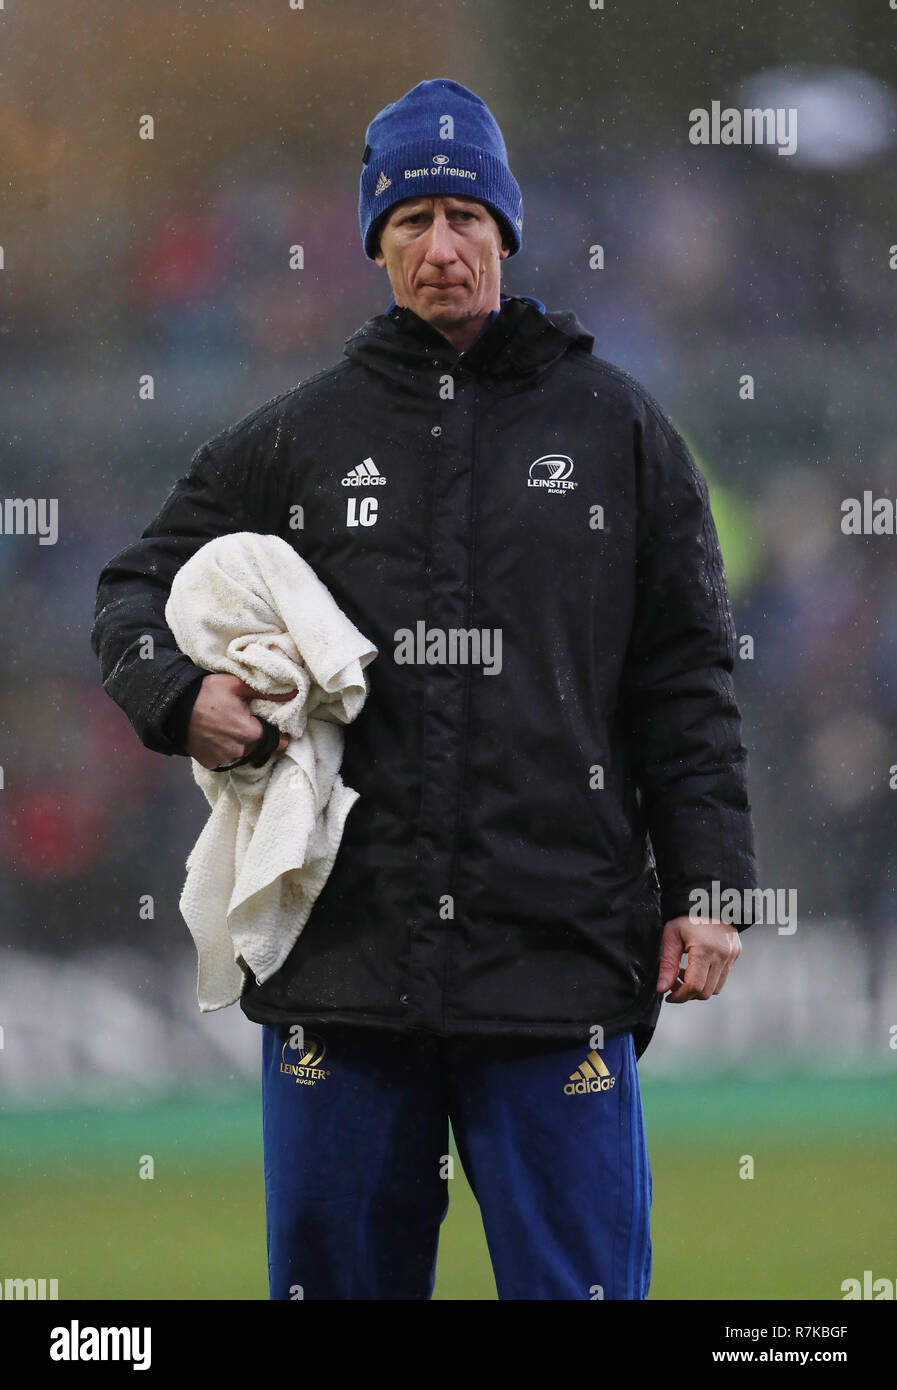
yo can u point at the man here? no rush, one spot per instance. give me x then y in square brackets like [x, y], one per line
[549, 760]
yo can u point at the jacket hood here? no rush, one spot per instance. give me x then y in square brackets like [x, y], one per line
[518, 346]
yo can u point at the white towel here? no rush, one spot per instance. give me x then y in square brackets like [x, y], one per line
[247, 604]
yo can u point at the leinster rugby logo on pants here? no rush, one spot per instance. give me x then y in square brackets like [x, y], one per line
[591, 1075]
[552, 472]
[303, 1064]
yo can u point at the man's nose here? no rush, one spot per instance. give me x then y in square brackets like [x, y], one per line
[440, 242]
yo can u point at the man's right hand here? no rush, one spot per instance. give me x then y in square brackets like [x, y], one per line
[222, 729]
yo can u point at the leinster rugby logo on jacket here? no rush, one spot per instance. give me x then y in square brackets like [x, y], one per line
[552, 472]
[303, 1064]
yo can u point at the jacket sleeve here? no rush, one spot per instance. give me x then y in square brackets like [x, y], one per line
[678, 696]
[153, 682]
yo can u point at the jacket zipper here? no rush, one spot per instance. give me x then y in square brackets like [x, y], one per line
[466, 705]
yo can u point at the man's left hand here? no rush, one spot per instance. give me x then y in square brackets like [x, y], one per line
[712, 948]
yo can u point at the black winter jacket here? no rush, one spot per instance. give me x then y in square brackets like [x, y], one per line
[496, 875]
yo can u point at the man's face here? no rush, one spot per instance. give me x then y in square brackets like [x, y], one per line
[443, 257]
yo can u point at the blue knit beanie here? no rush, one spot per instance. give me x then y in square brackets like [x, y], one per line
[438, 138]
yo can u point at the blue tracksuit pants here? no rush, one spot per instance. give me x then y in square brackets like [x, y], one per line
[358, 1171]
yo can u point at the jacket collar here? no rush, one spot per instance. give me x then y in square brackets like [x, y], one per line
[516, 346]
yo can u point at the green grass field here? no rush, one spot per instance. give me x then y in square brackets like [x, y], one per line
[819, 1209]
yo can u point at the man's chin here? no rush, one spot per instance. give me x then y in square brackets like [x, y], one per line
[448, 307]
